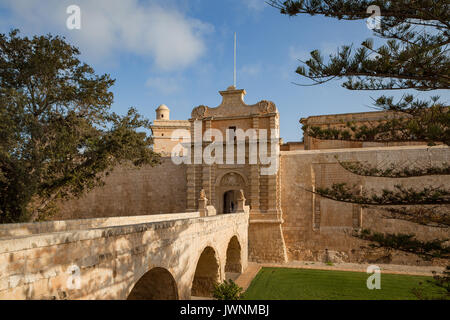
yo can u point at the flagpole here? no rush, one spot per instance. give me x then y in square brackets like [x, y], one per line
[234, 82]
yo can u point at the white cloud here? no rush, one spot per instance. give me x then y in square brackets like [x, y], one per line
[256, 5]
[112, 27]
[250, 70]
[296, 53]
[300, 53]
[165, 85]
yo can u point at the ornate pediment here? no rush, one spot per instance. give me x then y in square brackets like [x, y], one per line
[265, 106]
[233, 105]
[199, 112]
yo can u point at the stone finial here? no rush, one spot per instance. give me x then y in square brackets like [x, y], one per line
[241, 201]
[202, 195]
[202, 204]
[241, 195]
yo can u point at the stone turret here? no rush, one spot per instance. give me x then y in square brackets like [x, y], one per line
[163, 112]
[163, 128]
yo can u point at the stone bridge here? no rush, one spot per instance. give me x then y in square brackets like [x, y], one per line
[172, 256]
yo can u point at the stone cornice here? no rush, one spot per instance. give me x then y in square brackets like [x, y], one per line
[250, 116]
[349, 117]
[233, 105]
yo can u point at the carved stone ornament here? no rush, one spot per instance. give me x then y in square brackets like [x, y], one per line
[199, 112]
[265, 106]
[232, 179]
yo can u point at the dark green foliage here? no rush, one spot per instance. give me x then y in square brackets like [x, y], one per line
[428, 125]
[414, 56]
[394, 171]
[440, 281]
[409, 59]
[227, 290]
[407, 243]
[432, 216]
[443, 280]
[400, 196]
[58, 137]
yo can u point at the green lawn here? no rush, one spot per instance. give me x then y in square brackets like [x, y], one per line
[306, 284]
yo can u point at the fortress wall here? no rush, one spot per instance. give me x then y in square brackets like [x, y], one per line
[320, 144]
[340, 121]
[130, 192]
[314, 225]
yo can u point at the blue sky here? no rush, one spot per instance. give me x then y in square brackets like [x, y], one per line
[180, 53]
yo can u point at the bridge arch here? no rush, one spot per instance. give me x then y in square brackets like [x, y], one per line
[156, 284]
[207, 273]
[233, 263]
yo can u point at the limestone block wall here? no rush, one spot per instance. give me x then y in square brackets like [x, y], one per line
[320, 144]
[266, 243]
[316, 228]
[25, 229]
[340, 121]
[131, 191]
[112, 259]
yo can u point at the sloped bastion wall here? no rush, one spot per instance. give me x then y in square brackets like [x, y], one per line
[320, 229]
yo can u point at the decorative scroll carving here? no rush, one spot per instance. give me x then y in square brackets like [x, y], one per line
[265, 106]
[199, 112]
[232, 180]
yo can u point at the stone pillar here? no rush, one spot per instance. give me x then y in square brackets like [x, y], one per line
[272, 194]
[272, 183]
[254, 175]
[265, 234]
[254, 188]
[191, 204]
[206, 180]
[191, 196]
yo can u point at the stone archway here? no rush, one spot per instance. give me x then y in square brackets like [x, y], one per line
[233, 265]
[206, 274]
[230, 199]
[156, 284]
[227, 191]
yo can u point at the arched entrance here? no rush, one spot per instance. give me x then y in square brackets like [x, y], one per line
[227, 191]
[233, 266]
[230, 201]
[156, 284]
[206, 274]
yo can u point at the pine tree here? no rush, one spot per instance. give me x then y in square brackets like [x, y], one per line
[414, 55]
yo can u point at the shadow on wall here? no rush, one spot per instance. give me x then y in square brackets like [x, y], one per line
[138, 262]
[156, 284]
[233, 263]
[206, 274]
